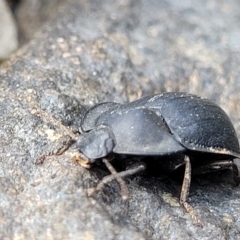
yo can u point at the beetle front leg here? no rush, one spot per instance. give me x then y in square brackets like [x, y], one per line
[116, 176]
[185, 191]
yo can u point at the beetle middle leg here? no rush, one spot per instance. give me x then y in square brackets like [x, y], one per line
[185, 191]
[116, 176]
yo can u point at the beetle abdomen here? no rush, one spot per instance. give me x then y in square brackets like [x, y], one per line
[197, 123]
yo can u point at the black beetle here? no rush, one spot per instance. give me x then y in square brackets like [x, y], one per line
[161, 125]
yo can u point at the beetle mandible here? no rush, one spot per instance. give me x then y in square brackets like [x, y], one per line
[161, 125]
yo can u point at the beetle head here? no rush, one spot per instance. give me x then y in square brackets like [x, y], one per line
[96, 143]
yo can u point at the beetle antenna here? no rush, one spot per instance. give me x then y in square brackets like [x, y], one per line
[49, 119]
[118, 176]
[59, 151]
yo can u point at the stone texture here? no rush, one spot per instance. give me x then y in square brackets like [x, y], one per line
[8, 31]
[33, 14]
[97, 51]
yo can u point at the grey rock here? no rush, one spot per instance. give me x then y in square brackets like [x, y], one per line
[8, 31]
[120, 50]
[33, 14]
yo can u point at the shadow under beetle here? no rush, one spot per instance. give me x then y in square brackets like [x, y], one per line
[161, 125]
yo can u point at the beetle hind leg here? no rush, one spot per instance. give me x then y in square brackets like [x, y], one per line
[116, 176]
[220, 165]
[236, 176]
[185, 191]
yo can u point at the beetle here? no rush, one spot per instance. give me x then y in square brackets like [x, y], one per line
[196, 131]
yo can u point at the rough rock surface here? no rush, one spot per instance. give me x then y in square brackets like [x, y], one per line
[8, 31]
[103, 51]
[33, 14]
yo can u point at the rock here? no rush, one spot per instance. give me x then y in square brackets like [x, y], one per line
[8, 31]
[119, 50]
[33, 14]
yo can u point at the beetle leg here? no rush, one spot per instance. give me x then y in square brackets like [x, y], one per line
[220, 165]
[118, 176]
[185, 191]
[236, 176]
[123, 186]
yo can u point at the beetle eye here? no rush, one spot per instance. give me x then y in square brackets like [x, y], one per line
[97, 143]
